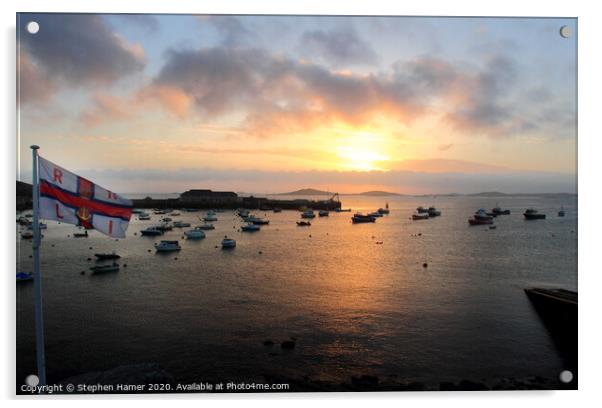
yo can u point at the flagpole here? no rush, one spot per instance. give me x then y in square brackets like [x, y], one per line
[40, 357]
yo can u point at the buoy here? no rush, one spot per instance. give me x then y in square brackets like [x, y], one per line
[260, 252]
[89, 259]
[149, 250]
[90, 247]
[176, 258]
[125, 265]
[424, 265]
[310, 235]
[420, 234]
[82, 273]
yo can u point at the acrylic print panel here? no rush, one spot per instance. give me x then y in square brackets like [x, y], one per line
[315, 203]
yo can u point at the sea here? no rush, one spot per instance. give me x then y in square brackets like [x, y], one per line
[404, 301]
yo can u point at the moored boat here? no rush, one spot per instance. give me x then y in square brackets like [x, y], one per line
[256, 220]
[339, 210]
[497, 210]
[323, 213]
[210, 216]
[168, 246]
[152, 231]
[114, 267]
[420, 216]
[277, 210]
[27, 235]
[561, 213]
[433, 212]
[180, 224]
[111, 255]
[205, 226]
[81, 234]
[533, 214]
[194, 234]
[422, 210]
[228, 243]
[303, 224]
[250, 227]
[384, 210]
[480, 218]
[361, 218]
[308, 214]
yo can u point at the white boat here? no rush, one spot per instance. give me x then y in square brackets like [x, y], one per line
[144, 217]
[308, 214]
[420, 216]
[228, 243]
[210, 216]
[175, 214]
[180, 224]
[433, 212]
[250, 227]
[323, 213]
[168, 246]
[194, 234]
[205, 226]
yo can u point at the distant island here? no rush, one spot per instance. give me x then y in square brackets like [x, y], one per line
[307, 192]
[378, 193]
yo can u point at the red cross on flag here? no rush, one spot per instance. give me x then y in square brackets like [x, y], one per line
[69, 198]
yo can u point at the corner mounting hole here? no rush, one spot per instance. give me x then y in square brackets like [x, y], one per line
[565, 31]
[33, 27]
[566, 376]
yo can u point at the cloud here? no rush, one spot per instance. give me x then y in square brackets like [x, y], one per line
[34, 86]
[73, 50]
[146, 22]
[105, 107]
[231, 30]
[337, 47]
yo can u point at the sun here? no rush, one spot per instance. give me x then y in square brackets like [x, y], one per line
[360, 159]
[360, 151]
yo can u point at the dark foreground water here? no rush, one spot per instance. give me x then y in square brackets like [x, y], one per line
[355, 307]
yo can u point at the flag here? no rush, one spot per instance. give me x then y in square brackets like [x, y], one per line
[69, 198]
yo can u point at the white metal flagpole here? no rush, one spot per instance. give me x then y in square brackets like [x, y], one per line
[40, 357]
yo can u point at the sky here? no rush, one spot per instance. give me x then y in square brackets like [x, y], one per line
[267, 104]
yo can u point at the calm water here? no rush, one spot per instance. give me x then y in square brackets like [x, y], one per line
[354, 306]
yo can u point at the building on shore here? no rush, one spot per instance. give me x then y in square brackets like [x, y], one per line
[216, 199]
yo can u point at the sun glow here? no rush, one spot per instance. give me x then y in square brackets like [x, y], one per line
[360, 159]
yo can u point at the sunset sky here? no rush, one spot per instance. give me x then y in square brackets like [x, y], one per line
[164, 103]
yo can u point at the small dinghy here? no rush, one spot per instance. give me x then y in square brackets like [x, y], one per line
[323, 213]
[303, 224]
[24, 277]
[228, 243]
[80, 234]
[27, 235]
[195, 234]
[112, 255]
[114, 267]
[180, 224]
[168, 246]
